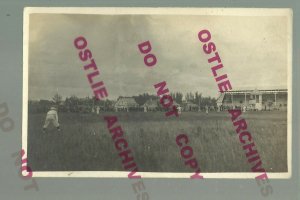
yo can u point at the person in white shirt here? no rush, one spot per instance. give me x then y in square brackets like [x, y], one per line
[244, 108]
[97, 110]
[206, 109]
[51, 118]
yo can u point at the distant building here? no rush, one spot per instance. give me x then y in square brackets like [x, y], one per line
[189, 106]
[254, 99]
[151, 105]
[125, 104]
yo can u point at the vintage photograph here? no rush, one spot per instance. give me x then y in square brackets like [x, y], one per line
[163, 92]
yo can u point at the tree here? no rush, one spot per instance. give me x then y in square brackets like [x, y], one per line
[142, 98]
[72, 103]
[108, 105]
[178, 97]
[189, 97]
[57, 99]
[173, 95]
[198, 98]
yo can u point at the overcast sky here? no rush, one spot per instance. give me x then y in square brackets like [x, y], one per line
[253, 51]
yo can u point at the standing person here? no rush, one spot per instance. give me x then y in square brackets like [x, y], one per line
[97, 109]
[244, 108]
[206, 109]
[179, 109]
[51, 117]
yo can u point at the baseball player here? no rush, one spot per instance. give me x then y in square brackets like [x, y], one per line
[51, 117]
[206, 109]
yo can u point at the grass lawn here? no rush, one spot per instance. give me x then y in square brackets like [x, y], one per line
[84, 144]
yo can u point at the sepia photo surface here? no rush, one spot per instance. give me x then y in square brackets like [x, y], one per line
[67, 131]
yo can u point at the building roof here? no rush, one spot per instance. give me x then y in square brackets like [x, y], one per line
[256, 91]
[151, 103]
[126, 102]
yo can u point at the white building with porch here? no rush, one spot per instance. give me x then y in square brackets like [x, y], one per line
[275, 99]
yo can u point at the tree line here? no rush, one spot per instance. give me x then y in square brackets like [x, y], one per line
[76, 104]
[191, 97]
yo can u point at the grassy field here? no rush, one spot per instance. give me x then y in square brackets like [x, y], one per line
[84, 144]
